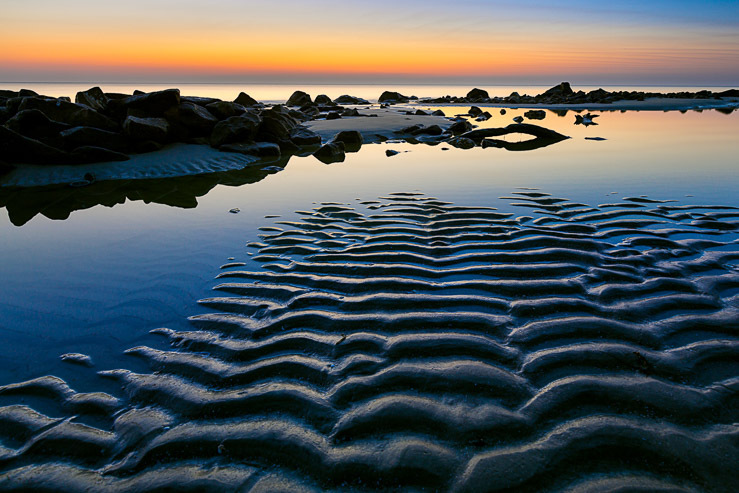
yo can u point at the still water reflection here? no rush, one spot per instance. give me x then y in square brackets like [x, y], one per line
[134, 255]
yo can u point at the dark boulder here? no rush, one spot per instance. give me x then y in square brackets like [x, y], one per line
[562, 89]
[332, 152]
[334, 115]
[241, 128]
[4, 114]
[193, 118]
[93, 154]
[7, 94]
[514, 97]
[729, 93]
[503, 111]
[90, 136]
[276, 125]
[264, 150]
[146, 129]
[93, 98]
[460, 127]
[430, 130]
[303, 136]
[322, 100]
[420, 113]
[462, 143]
[477, 95]
[298, 98]
[70, 113]
[393, 97]
[391, 152]
[535, 114]
[200, 101]
[27, 93]
[16, 148]
[245, 100]
[474, 111]
[150, 104]
[35, 124]
[352, 140]
[438, 113]
[346, 99]
[225, 109]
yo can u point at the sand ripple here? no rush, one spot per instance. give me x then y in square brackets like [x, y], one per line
[425, 346]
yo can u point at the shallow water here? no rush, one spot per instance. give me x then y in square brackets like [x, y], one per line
[99, 280]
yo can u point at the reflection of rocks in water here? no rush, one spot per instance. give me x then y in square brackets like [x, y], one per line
[420, 345]
[59, 201]
[586, 119]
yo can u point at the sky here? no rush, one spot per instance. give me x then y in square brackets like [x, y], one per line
[677, 42]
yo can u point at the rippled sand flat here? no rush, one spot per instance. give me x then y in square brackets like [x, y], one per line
[424, 345]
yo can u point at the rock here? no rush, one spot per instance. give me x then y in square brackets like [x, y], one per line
[413, 129]
[351, 139]
[4, 114]
[145, 146]
[393, 97]
[391, 152]
[240, 128]
[438, 113]
[266, 150]
[303, 136]
[562, 89]
[276, 125]
[245, 100]
[93, 98]
[595, 138]
[70, 113]
[298, 98]
[334, 115]
[92, 154]
[322, 100]
[7, 94]
[346, 99]
[195, 119]
[146, 129]
[477, 95]
[225, 109]
[200, 101]
[16, 148]
[729, 93]
[514, 97]
[420, 113]
[535, 114]
[489, 143]
[503, 111]
[89, 136]
[518, 119]
[460, 127]
[35, 124]
[27, 93]
[431, 130]
[331, 152]
[151, 103]
[462, 143]
[350, 112]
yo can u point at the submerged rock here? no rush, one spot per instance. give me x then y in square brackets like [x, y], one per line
[331, 152]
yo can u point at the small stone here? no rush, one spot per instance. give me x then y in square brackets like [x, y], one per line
[391, 152]
[235, 210]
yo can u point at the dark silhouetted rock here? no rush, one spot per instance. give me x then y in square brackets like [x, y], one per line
[276, 125]
[460, 127]
[240, 128]
[438, 113]
[562, 89]
[518, 119]
[350, 112]
[514, 97]
[430, 130]
[245, 100]
[462, 143]
[346, 99]
[503, 111]
[535, 114]
[489, 143]
[332, 152]
[200, 101]
[149, 104]
[304, 136]
[194, 118]
[90, 136]
[94, 98]
[298, 98]
[474, 111]
[225, 109]
[27, 93]
[35, 124]
[146, 129]
[421, 113]
[16, 148]
[264, 150]
[92, 154]
[352, 140]
[70, 113]
[477, 95]
[334, 115]
[391, 152]
[729, 93]
[393, 97]
[322, 99]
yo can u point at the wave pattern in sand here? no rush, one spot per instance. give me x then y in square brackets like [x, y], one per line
[426, 346]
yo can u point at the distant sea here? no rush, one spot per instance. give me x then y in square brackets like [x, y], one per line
[277, 93]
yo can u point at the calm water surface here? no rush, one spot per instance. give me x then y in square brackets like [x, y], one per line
[99, 280]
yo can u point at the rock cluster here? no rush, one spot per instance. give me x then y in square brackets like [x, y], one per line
[563, 94]
[101, 126]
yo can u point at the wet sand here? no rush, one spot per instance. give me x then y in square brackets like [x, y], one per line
[417, 344]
